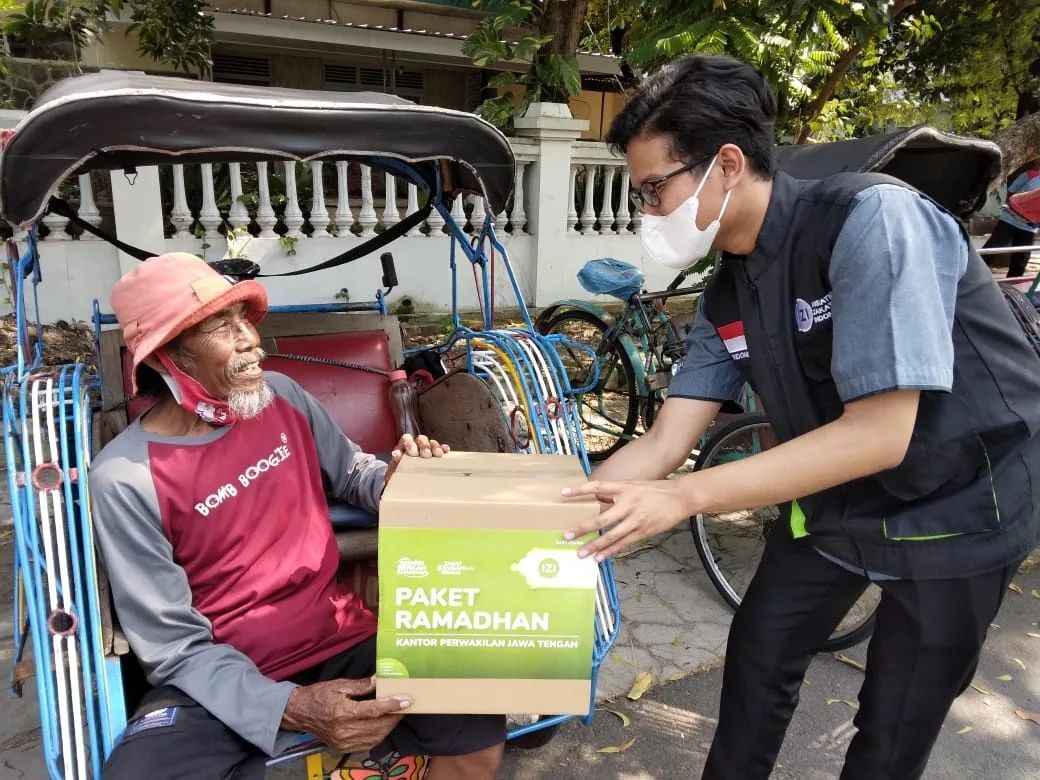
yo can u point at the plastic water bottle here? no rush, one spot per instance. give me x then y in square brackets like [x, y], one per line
[404, 404]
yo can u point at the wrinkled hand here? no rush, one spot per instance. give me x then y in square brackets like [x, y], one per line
[332, 713]
[420, 447]
[635, 511]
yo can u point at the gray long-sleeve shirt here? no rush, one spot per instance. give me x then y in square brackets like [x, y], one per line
[221, 559]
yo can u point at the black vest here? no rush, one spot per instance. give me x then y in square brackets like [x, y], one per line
[962, 501]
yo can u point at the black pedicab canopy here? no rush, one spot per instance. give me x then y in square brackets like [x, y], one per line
[956, 171]
[116, 121]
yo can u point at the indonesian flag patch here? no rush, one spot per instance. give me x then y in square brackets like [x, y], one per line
[732, 336]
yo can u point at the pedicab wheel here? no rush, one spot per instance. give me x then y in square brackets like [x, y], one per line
[730, 544]
[609, 412]
[533, 740]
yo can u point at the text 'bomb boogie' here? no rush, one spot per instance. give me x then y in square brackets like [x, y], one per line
[228, 491]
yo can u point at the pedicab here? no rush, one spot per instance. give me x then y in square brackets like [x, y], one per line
[506, 389]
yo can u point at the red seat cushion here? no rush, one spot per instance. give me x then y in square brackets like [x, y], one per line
[357, 400]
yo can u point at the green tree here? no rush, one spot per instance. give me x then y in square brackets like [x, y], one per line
[806, 48]
[545, 34]
[176, 33]
[983, 70]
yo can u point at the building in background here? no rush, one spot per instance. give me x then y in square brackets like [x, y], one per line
[408, 48]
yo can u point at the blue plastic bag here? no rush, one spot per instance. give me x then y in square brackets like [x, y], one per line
[607, 276]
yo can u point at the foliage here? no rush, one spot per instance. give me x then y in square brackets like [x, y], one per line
[45, 28]
[803, 48]
[178, 33]
[525, 30]
[842, 68]
[981, 72]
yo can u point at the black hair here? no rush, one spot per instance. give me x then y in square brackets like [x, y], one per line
[699, 103]
[150, 384]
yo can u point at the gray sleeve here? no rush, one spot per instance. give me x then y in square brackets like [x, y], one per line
[356, 477]
[171, 639]
[708, 373]
[894, 273]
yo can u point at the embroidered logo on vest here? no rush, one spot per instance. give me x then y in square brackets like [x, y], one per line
[808, 314]
[732, 336]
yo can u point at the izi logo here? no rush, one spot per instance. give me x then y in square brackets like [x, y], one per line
[808, 314]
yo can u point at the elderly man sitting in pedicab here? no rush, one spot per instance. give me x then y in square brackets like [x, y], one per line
[232, 604]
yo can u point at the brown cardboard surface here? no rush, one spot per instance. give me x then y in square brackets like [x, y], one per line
[487, 491]
[491, 697]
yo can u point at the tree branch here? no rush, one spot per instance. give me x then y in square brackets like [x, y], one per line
[1019, 143]
[836, 76]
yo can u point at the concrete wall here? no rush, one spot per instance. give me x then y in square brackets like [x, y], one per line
[113, 49]
[77, 272]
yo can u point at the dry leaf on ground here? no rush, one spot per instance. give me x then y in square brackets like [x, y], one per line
[677, 676]
[617, 748]
[636, 551]
[1027, 715]
[625, 720]
[1019, 662]
[965, 730]
[1015, 587]
[1005, 678]
[850, 661]
[981, 690]
[642, 682]
[844, 701]
[1030, 563]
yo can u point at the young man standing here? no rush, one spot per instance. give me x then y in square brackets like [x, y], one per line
[903, 392]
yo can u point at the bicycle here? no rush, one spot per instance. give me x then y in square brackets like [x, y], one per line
[730, 544]
[637, 354]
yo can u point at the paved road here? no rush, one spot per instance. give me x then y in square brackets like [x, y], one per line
[673, 723]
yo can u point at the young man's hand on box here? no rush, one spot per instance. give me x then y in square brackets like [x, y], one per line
[332, 712]
[417, 447]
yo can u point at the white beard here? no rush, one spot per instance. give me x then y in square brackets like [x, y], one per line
[249, 404]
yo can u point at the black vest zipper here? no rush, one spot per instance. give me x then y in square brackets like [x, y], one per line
[774, 370]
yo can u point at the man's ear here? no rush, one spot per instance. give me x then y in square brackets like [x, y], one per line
[153, 363]
[733, 164]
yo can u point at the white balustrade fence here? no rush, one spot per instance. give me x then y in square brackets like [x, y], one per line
[344, 199]
[79, 192]
[313, 200]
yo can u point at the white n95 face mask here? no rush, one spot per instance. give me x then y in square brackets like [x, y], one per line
[674, 240]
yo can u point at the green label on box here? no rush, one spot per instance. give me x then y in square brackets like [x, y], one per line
[464, 603]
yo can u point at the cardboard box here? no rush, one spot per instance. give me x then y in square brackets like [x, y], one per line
[483, 607]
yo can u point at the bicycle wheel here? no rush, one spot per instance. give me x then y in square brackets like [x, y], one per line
[609, 412]
[730, 544]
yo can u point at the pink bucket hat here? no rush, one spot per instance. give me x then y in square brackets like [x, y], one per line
[165, 295]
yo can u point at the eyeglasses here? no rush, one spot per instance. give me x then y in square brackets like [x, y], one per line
[649, 192]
